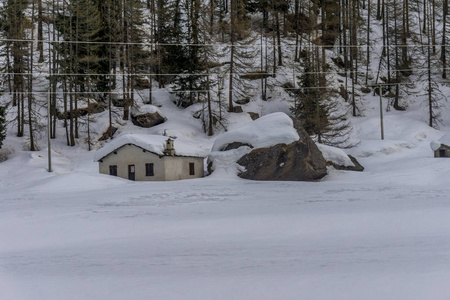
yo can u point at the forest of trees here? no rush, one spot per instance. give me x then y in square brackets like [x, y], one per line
[94, 55]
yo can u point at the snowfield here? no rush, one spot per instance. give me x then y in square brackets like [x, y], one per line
[380, 234]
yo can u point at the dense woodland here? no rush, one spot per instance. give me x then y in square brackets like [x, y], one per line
[87, 56]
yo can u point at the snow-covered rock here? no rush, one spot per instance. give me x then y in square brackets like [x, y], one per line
[269, 148]
[335, 155]
[267, 131]
[147, 116]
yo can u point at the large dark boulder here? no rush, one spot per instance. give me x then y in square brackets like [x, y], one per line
[109, 133]
[147, 120]
[298, 161]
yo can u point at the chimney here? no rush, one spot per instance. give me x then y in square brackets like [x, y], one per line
[170, 150]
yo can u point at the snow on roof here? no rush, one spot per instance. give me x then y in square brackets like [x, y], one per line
[335, 155]
[152, 143]
[267, 131]
[445, 139]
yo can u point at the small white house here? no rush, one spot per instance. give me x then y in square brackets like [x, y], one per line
[150, 158]
[441, 147]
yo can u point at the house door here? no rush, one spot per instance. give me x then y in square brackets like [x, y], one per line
[131, 172]
[442, 153]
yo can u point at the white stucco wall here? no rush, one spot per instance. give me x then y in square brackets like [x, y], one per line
[165, 168]
[132, 155]
[177, 167]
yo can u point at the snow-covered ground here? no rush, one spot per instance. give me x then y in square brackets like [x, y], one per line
[380, 234]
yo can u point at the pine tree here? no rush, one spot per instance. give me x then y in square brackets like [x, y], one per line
[317, 109]
[310, 109]
[14, 24]
[189, 85]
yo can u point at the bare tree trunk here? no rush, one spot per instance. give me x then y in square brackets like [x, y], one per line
[444, 41]
[30, 85]
[430, 88]
[280, 54]
[40, 45]
[232, 37]
[274, 70]
[368, 41]
[433, 25]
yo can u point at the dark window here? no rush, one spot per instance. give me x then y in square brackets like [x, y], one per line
[131, 172]
[442, 153]
[113, 170]
[191, 169]
[149, 170]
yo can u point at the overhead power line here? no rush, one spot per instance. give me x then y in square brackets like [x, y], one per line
[269, 74]
[217, 44]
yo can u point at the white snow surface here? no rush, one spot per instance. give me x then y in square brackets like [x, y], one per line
[379, 234]
[335, 155]
[269, 130]
[152, 143]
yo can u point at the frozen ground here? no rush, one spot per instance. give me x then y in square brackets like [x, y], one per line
[380, 234]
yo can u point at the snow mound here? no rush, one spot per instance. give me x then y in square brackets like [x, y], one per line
[335, 155]
[146, 109]
[267, 131]
[77, 181]
[152, 143]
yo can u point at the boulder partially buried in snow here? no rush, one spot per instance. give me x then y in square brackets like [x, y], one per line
[147, 116]
[292, 162]
[339, 159]
[268, 148]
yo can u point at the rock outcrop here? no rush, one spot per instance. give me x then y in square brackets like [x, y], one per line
[269, 148]
[297, 161]
[147, 120]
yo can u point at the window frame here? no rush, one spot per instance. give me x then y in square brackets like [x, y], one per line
[113, 170]
[149, 169]
[192, 169]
